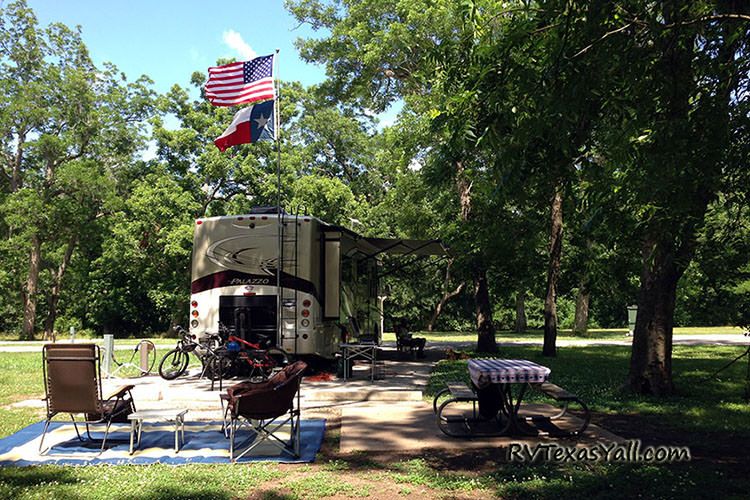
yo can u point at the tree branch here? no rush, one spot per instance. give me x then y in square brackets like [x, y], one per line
[716, 17]
[211, 197]
[601, 39]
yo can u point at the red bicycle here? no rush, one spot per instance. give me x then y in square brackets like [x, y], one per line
[241, 358]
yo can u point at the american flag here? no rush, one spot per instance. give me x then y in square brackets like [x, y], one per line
[241, 82]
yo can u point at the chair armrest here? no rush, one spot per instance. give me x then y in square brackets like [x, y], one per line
[238, 390]
[120, 392]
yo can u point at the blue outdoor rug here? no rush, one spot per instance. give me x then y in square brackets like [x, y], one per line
[204, 443]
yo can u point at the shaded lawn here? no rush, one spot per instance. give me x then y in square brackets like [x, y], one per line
[702, 407]
[538, 335]
[430, 476]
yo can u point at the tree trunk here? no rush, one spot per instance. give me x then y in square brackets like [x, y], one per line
[485, 326]
[521, 324]
[581, 324]
[447, 296]
[464, 192]
[54, 296]
[30, 291]
[651, 355]
[668, 248]
[553, 273]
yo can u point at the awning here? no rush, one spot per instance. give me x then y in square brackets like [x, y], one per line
[372, 247]
[397, 246]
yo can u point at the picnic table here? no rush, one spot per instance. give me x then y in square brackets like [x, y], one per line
[493, 382]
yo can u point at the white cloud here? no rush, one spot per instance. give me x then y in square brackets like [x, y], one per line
[234, 41]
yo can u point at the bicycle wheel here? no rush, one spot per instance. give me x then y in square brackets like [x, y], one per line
[145, 354]
[173, 364]
[218, 368]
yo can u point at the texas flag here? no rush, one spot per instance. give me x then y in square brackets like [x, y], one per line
[252, 124]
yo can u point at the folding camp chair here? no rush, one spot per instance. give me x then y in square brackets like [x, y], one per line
[405, 341]
[72, 383]
[265, 408]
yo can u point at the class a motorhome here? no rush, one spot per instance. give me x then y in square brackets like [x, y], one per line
[329, 278]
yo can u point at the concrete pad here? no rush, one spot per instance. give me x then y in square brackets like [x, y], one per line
[361, 394]
[407, 427]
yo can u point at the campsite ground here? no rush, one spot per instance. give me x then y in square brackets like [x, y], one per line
[706, 414]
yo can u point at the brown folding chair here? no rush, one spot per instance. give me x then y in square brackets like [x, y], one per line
[72, 382]
[265, 408]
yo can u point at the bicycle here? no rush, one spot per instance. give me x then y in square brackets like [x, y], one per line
[176, 361]
[145, 354]
[239, 357]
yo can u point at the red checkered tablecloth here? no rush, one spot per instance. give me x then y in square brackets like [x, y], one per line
[484, 372]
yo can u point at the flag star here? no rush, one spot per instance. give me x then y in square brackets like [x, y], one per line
[262, 121]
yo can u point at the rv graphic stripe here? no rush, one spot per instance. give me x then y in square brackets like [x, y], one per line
[237, 278]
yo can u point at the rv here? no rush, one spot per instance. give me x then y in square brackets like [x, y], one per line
[328, 274]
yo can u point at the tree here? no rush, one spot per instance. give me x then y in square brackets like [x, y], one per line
[684, 82]
[62, 121]
[141, 281]
[415, 50]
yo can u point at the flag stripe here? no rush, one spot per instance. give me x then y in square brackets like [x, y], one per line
[239, 85]
[237, 88]
[242, 93]
[226, 67]
[228, 76]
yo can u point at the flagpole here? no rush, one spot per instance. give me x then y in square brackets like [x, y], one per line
[279, 221]
[277, 123]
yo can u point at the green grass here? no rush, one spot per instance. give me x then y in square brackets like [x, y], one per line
[419, 473]
[323, 484]
[135, 482]
[538, 335]
[20, 376]
[615, 482]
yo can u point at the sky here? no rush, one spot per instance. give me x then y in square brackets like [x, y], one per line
[169, 39]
